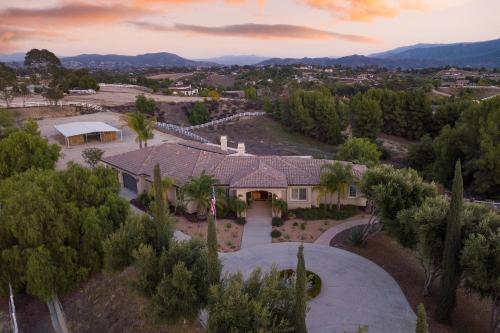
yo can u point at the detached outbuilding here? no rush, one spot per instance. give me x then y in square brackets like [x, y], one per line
[78, 133]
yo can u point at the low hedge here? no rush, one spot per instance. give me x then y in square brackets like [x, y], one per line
[275, 233]
[322, 212]
[241, 220]
[277, 222]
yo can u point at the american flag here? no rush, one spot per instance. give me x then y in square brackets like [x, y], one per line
[213, 208]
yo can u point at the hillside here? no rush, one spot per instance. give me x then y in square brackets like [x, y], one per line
[240, 60]
[477, 54]
[113, 61]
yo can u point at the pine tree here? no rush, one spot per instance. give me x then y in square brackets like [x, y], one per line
[214, 267]
[450, 277]
[300, 293]
[422, 326]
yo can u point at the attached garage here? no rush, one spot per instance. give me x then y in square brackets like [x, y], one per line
[129, 182]
[78, 133]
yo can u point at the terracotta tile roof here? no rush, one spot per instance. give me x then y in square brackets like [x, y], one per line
[181, 161]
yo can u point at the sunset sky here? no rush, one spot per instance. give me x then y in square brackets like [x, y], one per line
[207, 28]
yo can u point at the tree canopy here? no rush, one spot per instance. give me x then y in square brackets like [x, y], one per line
[52, 225]
[25, 149]
[198, 114]
[360, 151]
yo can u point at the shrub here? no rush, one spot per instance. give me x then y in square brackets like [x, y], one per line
[228, 225]
[275, 233]
[295, 224]
[119, 245]
[302, 226]
[313, 281]
[320, 213]
[176, 297]
[356, 237]
[241, 220]
[198, 114]
[314, 284]
[277, 222]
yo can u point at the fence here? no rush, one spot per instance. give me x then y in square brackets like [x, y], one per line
[186, 131]
[224, 120]
[12, 312]
[180, 130]
[95, 107]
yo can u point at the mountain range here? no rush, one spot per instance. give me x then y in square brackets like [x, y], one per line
[240, 60]
[474, 54]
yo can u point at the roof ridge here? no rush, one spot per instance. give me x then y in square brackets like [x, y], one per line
[259, 169]
[147, 159]
[281, 158]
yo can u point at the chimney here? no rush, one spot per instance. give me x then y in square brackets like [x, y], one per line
[241, 149]
[223, 143]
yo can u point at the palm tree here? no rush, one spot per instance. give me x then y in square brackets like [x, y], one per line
[278, 206]
[337, 177]
[142, 126]
[199, 189]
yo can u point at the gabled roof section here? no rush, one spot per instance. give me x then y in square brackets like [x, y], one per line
[181, 161]
[263, 176]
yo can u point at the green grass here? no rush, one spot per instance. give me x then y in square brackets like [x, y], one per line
[320, 213]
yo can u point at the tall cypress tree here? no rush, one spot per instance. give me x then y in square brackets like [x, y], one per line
[164, 229]
[422, 326]
[300, 293]
[214, 267]
[450, 277]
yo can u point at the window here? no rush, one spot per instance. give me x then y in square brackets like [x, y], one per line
[353, 191]
[299, 194]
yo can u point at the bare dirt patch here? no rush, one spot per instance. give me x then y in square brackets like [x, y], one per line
[170, 76]
[265, 136]
[471, 314]
[115, 96]
[108, 302]
[229, 233]
[292, 230]
[218, 80]
[43, 112]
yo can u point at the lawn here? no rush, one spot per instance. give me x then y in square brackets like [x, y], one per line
[471, 314]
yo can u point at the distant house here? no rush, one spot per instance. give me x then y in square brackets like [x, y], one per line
[293, 179]
[81, 91]
[183, 90]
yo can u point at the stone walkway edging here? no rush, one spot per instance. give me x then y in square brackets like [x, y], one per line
[328, 235]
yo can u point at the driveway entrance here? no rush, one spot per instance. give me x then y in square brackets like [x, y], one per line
[257, 230]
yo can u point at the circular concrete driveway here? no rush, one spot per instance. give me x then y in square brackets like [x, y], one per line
[355, 291]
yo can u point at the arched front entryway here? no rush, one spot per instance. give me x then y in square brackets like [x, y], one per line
[260, 198]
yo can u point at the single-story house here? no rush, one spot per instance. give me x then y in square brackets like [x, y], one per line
[293, 179]
[77, 133]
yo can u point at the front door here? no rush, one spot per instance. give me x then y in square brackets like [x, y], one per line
[260, 195]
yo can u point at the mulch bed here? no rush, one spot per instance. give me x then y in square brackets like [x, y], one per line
[471, 314]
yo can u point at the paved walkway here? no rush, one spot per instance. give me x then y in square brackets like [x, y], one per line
[328, 235]
[354, 291]
[257, 230]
